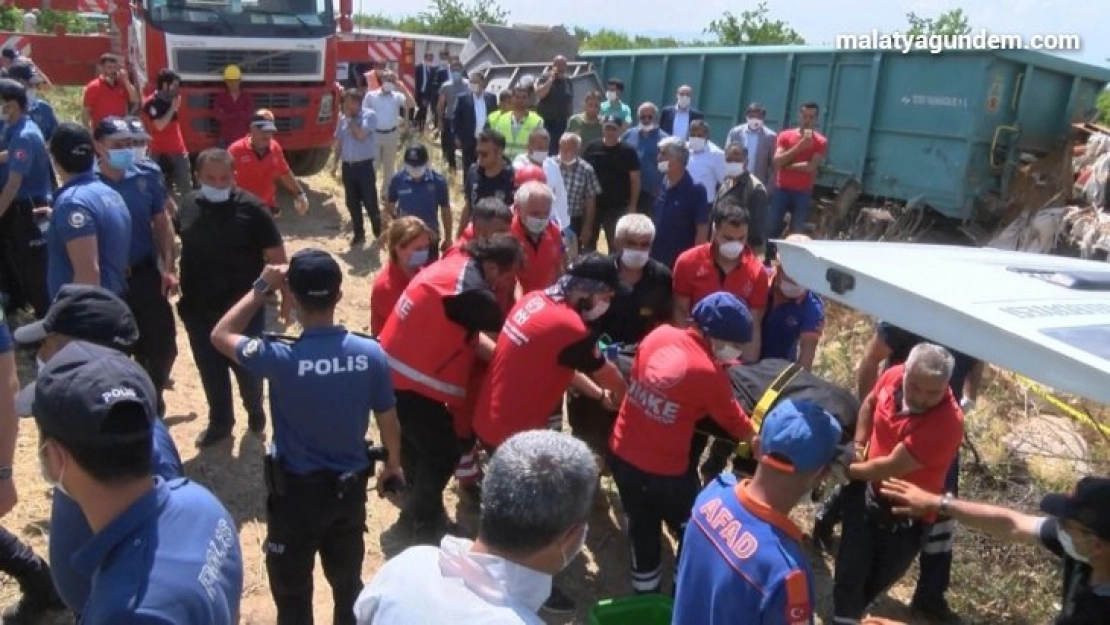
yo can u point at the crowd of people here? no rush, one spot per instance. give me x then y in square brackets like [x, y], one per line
[685, 340]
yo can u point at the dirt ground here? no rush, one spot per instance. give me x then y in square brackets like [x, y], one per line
[233, 470]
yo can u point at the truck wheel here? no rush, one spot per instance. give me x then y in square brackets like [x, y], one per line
[308, 162]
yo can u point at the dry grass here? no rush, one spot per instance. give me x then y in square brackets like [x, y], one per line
[993, 583]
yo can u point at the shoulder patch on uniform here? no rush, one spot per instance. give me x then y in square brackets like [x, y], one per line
[250, 349]
[798, 608]
[20, 155]
[78, 219]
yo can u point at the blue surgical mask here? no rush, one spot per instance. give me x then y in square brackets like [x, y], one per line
[419, 258]
[121, 158]
[456, 76]
[214, 195]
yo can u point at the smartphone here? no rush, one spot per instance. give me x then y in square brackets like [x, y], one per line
[807, 132]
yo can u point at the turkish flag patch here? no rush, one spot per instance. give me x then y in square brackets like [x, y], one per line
[20, 155]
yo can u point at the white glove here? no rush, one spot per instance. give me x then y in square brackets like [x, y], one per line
[967, 404]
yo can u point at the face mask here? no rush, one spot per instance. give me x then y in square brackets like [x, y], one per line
[569, 161]
[731, 250]
[387, 87]
[697, 144]
[755, 123]
[634, 258]
[535, 225]
[418, 259]
[476, 88]
[140, 152]
[613, 96]
[567, 557]
[683, 101]
[791, 290]
[214, 195]
[734, 169]
[1069, 545]
[537, 156]
[725, 353]
[32, 96]
[647, 127]
[121, 158]
[416, 172]
[663, 167]
[596, 311]
[49, 479]
[456, 76]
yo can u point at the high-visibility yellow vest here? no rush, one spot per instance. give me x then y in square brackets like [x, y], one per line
[516, 143]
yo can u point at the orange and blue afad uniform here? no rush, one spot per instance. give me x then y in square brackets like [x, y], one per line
[742, 562]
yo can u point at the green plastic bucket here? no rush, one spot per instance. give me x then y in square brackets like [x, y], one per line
[637, 610]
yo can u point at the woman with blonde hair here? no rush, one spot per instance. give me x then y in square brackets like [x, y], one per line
[409, 241]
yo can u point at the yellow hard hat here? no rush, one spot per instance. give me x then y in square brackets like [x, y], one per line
[232, 72]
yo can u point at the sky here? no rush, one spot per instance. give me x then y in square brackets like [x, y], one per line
[818, 21]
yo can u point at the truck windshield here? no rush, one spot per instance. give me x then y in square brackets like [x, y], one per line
[243, 18]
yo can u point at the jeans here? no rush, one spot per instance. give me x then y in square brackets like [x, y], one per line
[359, 191]
[784, 201]
[215, 369]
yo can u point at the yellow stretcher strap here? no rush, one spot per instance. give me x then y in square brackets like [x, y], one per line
[766, 400]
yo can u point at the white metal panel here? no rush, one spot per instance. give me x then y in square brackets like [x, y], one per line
[251, 44]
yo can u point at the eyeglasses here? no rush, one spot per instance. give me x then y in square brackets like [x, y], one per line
[481, 154]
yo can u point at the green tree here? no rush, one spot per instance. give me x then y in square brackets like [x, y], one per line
[753, 28]
[953, 22]
[453, 18]
[608, 39]
[1103, 105]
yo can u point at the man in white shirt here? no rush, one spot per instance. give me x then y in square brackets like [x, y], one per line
[539, 141]
[389, 104]
[707, 161]
[536, 498]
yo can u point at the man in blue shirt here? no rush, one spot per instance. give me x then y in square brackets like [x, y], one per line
[38, 109]
[89, 238]
[645, 140]
[161, 551]
[681, 214]
[418, 190]
[152, 273]
[794, 319]
[17, 560]
[27, 188]
[93, 314]
[742, 556]
[323, 386]
[356, 145]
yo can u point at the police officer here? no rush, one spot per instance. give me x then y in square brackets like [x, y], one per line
[140, 143]
[151, 273]
[85, 313]
[41, 112]
[167, 551]
[323, 387]
[89, 237]
[23, 257]
[423, 192]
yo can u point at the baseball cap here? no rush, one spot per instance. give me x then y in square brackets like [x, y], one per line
[261, 122]
[138, 130]
[314, 276]
[799, 436]
[9, 53]
[24, 71]
[723, 316]
[11, 89]
[612, 120]
[600, 269]
[416, 155]
[77, 391]
[87, 313]
[111, 126]
[71, 145]
[1088, 505]
[528, 173]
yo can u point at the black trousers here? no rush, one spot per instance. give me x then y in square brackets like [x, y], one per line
[429, 452]
[23, 257]
[360, 191]
[590, 422]
[315, 515]
[469, 156]
[555, 128]
[447, 143]
[156, 349]
[649, 501]
[605, 219]
[876, 549]
[177, 172]
[215, 369]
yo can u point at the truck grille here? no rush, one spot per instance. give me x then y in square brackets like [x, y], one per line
[191, 61]
[210, 126]
[272, 101]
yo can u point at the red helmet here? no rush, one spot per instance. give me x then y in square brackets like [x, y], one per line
[529, 173]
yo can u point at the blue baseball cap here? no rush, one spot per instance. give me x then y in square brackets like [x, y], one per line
[112, 126]
[78, 391]
[803, 435]
[314, 276]
[138, 130]
[724, 317]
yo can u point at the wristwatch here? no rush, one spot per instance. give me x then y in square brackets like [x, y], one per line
[261, 286]
[5, 473]
[945, 501]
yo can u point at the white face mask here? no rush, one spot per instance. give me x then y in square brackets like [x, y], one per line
[683, 101]
[535, 225]
[387, 87]
[697, 144]
[568, 161]
[634, 259]
[613, 96]
[1069, 545]
[140, 152]
[734, 169]
[731, 250]
[755, 123]
[596, 311]
[416, 172]
[49, 479]
[726, 353]
[214, 195]
[663, 167]
[537, 156]
[791, 290]
[32, 95]
[568, 557]
[474, 88]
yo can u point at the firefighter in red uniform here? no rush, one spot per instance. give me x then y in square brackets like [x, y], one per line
[432, 340]
[677, 377]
